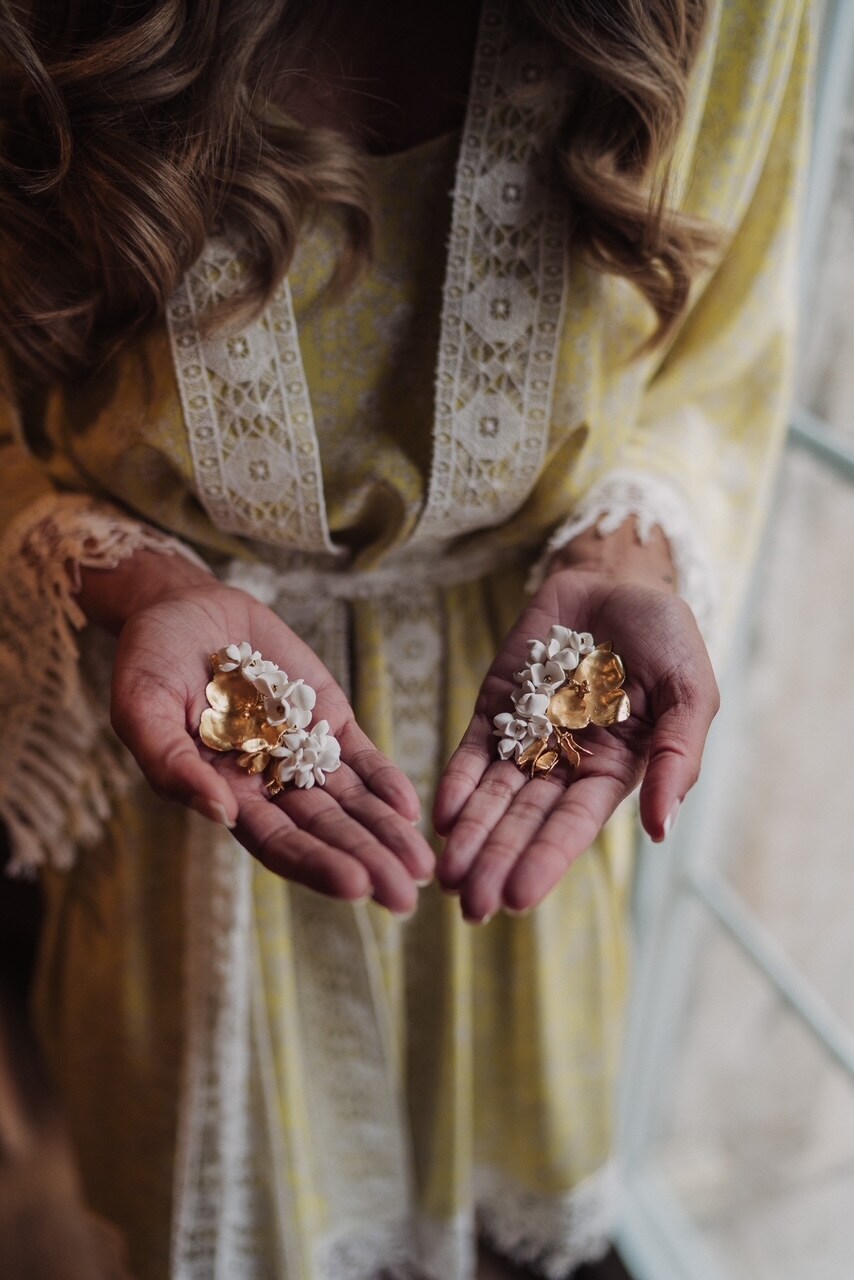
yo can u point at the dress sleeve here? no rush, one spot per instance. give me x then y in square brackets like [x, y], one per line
[61, 762]
[701, 457]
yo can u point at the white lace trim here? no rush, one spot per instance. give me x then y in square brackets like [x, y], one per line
[61, 765]
[213, 1173]
[248, 416]
[245, 397]
[553, 1234]
[654, 501]
[504, 290]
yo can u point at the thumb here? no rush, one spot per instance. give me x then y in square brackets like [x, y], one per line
[150, 719]
[675, 755]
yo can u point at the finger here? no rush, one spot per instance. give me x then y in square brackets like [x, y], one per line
[275, 840]
[378, 773]
[318, 814]
[675, 754]
[153, 729]
[570, 829]
[481, 893]
[487, 804]
[395, 832]
[463, 773]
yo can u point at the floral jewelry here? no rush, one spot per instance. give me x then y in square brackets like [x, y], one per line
[568, 684]
[254, 708]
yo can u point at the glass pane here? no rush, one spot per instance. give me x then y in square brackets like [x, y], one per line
[784, 825]
[758, 1145]
[827, 374]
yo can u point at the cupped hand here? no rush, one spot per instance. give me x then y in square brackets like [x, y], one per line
[509, 838]
[352, 838]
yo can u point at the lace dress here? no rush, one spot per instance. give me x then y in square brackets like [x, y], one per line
[261, 1082]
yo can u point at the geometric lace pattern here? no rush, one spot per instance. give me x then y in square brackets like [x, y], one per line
[504, 288]
[244, 395]
[247, 412]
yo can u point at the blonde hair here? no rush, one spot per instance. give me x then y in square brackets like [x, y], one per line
[129, 135]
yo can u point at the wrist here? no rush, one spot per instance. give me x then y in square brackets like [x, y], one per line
[620, 556]
[109, 597]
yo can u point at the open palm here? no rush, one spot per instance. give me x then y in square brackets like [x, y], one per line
[352, 838]
[509, 838]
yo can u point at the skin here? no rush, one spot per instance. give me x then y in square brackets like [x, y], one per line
[391, 76]
[509, 840]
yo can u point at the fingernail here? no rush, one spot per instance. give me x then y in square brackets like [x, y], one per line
[405, 915]
[422, 884]
[517, 912]
[213, 810]
[670, 820]
[478, 919]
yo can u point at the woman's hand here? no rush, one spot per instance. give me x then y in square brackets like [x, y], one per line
[353, 837]
[510, 839]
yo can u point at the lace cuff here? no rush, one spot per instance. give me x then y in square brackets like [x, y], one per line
[62, 763]
[652, 500]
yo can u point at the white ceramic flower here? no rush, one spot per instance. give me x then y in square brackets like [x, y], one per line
[518, 732]
[233, 656]
[542, 677]
[306, 758]
[528, 704]
[272, 684]
[562, 646]
[256, 668]
[293, 706]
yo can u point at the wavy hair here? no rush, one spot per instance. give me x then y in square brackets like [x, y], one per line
[128, 134]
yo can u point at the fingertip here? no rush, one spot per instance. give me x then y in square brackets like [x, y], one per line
[213, 810]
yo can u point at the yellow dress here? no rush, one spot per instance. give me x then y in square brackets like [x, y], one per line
[263, 1083]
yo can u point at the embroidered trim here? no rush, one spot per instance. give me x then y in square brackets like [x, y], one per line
[213, 1171]
[62, 766]
[504, 290]
[247, 411]
[654, 501]
[554, 1234]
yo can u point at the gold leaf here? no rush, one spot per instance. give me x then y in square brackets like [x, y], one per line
[593, 694]
[546, 762]
[611, 707]
[568, 708]
[236, 714]
[254, 762]
[530, 754]
[602, 669]
[218, 732]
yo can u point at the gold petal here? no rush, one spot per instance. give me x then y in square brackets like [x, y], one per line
[216, 731]
[546, 762]
[530, 754]
[217, 696]
[253, 745]
[568, 708]
[254, 762]
[602, 669]
[609, 707]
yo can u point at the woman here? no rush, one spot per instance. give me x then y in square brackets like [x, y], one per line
[264, 1080]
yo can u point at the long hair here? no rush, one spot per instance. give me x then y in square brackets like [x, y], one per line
[129, 132]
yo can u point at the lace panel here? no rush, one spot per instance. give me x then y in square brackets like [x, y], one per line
[554, 1234]
[504, 289]
[214, 1173]
[62, 764]
[654, 501]
[247, 412]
